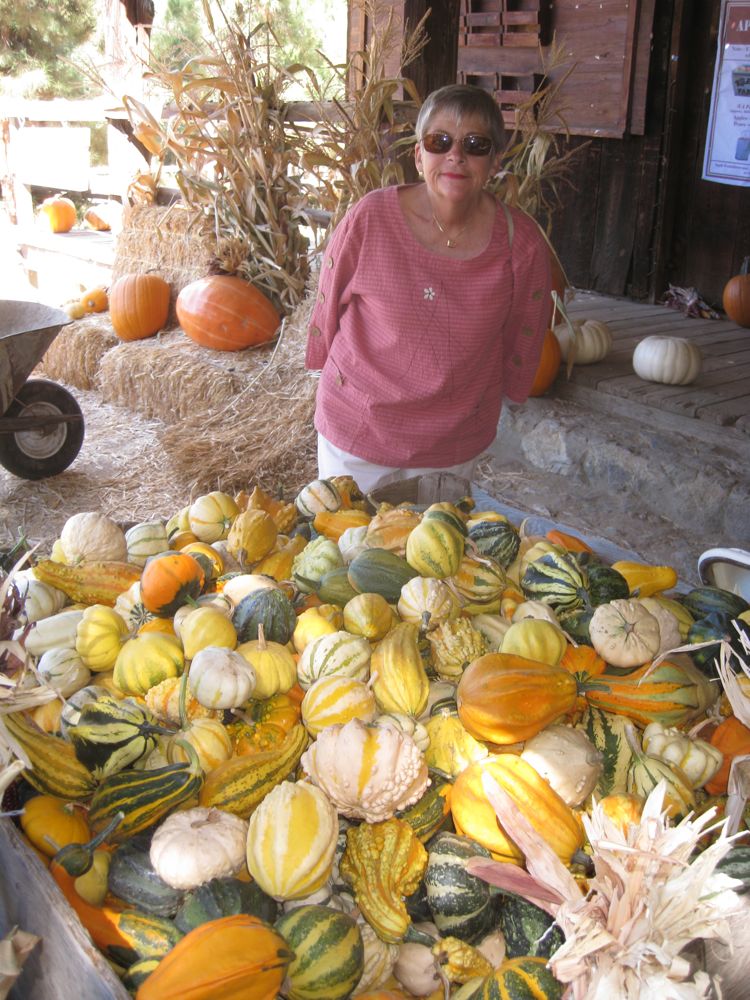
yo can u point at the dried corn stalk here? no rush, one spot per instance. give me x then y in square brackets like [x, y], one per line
[651, 896]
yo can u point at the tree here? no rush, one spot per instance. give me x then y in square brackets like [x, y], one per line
[42, 36]
[179, 35]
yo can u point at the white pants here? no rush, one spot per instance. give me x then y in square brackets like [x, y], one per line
[333, 461]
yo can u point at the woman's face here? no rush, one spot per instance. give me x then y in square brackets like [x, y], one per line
[455, 175]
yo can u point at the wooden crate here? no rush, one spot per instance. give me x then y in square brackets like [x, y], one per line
[65, 963]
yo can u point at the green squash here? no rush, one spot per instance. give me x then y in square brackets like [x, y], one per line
[607, 732]
[527, 929]
[462, 905]
[524, 978]
[378, 571]
[329, 955]
[133, 880]
[556, 579]
[605, 584]
[702, 601]
[499, 539]
[720, 626]
[224, 897]
[269, 607]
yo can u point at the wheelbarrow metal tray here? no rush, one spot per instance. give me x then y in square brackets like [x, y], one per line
[65, 963]
[26, 331]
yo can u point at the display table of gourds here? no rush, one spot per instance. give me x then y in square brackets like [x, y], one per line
[314, 749]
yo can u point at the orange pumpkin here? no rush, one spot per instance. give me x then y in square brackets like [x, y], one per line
[51, 823]
[170, 580]
[138, 305]
[549, 365]
[583, 660]
[503, 698]
[226, 313]
[736, 297]
[733, 739]
[59, 214]
[229, 958]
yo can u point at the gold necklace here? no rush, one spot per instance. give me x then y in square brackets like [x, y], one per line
[450, 241]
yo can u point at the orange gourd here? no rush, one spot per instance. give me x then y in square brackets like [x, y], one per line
[504, 698]
[623, 808]
[549, 365]
[226, 313]
[736, 297]
[475, 817]
[572, 543]
[333, 524]
[232, 958]
[100, 921]
[51, 823]
[138, 305]
[733, 739]
[59, 214]
[170, 580]
[583, 660]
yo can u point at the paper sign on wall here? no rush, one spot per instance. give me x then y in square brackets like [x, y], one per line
[727, 158]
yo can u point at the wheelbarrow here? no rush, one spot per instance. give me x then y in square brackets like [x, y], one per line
[41, 427]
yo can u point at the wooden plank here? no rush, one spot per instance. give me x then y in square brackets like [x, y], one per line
[725, 440]
[640, 75]
[65, 963]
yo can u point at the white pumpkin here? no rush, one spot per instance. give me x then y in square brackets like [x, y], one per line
[591, 338]
[148, 538]
[40, 600]
[567, 759]
[669, 627]
[624, 633]
[669, 360]
[92, 537]
[221, 678]
[352, 542]
[64, 670]
[195, 845]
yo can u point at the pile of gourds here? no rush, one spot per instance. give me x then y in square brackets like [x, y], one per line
[263, 772]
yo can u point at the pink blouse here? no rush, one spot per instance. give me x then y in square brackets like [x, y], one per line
[417, 350]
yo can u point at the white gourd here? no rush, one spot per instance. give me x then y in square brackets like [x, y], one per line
[221, 678]
[148, 538]
[40, 600]
[195, 845]
[592, 339]
[92, 537]
[352, 542]
[567, 759]
[669, 360]
[64, 670]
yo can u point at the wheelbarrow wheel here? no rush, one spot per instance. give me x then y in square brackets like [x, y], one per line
[47, 449]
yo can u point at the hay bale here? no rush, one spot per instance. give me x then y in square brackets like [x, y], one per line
[264, 435]
[74, 356]
[167, 241]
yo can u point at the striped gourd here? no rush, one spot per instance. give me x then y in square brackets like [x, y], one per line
[429, 813]
[317, 496]
[147, 660]
[495, 537]
[146, 539]
[130, 607]
[240, 784]
[435, 548]
[100, 636]
[378, 571]
[399, 680]
[328, 953]
[339, 654]
[479, 580]
[55, 769]
[672, 693]
[702, 601]
[425, 596]
[89, 583]
[461, 904]
[291, 840]
[557, 579]
[112, 733]
[147, 936]
[527, 978]
[448, 513]
[318, 558]
[53, 632]
[144, 797]
[607, 732]
[332, 701]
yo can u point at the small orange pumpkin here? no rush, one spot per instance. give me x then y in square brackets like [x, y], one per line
[95, 300]
[732, 737]
[549, 365]
[59, 214]
[572, 543]
[51, 823]
[736, 297]
[170, 580]
[138, 305]
[225, 313]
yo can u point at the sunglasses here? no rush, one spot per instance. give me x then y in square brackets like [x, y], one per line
[473, 145]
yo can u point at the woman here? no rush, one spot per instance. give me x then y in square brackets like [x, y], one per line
[432, 305]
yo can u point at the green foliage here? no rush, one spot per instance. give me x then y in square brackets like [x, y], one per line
[39, 36]
[178, 36]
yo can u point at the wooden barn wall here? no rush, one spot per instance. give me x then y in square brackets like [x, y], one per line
[635, 215]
